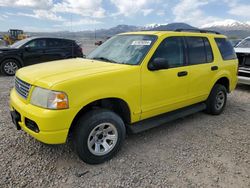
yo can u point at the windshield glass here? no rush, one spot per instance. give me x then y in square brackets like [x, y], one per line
[20, 43]
[124, 49]
[244, 44]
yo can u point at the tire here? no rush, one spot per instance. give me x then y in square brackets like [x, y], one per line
[98, 136]
[9, 67]
[217, 100]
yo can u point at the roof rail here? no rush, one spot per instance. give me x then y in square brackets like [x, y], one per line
[198, 31]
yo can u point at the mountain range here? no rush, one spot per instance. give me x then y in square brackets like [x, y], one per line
[231, 28]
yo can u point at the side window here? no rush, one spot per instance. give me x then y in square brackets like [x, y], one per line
[210, 55]
[226, 49]
[171, 49]
[67, 43]
[196, 50]
[38, 43]
[53, 43]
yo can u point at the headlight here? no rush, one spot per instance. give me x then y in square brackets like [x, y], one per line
[49, 99]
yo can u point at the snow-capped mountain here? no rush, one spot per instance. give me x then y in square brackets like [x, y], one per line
[228, 24]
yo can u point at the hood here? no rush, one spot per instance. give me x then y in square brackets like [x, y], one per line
[242, 50]
[48, 74]
[7, 49]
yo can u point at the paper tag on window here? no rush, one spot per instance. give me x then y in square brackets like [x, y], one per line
[141, 43]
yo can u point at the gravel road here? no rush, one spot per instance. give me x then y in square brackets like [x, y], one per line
[197, 151]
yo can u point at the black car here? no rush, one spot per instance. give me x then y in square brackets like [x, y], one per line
[36, 50]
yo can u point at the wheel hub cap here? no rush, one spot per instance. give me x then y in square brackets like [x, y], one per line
[220, 100]
[102, 139]
[10, 67]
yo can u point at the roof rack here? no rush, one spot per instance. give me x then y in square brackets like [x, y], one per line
[198, 31]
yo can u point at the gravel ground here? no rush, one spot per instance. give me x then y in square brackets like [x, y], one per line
[197, 151]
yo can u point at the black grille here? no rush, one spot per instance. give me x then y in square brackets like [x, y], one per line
[22, 88]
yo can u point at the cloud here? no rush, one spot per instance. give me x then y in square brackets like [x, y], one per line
[147, 11]
[190, 11]
[131, 7]
[240, 10]
[84, 21]
[43, 15]
[89, 8]
[41, 4]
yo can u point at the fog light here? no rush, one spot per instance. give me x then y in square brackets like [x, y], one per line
[31, 125]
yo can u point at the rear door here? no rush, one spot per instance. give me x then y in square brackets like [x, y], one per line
[54, 50]
[202, 67]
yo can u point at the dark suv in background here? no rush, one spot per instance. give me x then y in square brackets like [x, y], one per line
[36, 50]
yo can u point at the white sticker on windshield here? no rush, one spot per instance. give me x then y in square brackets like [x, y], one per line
[141, 43]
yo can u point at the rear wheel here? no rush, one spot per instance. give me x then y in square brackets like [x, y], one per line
[217, 99]
[98, 136]
[9, 67]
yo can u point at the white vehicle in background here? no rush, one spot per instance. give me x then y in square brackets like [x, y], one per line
[243, 53]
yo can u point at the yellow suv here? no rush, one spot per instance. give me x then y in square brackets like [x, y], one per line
[132, 82]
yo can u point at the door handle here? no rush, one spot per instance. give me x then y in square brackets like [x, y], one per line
[182, 73]
[214, 68]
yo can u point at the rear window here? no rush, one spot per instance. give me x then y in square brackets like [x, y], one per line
[226, 49]
[199, 50]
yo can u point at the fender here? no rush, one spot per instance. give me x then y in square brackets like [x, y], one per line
[16, 57]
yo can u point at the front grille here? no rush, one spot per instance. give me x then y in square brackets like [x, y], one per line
[244, 74]
[22, 88]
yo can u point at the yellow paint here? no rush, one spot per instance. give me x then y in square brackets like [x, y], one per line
[147, 93]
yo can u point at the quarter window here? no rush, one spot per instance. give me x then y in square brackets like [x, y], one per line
[226, 49]
[172, 50]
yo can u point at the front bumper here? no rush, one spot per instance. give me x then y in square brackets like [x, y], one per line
[53, 124]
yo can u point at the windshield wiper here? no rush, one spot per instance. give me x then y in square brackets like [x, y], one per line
[105, 59]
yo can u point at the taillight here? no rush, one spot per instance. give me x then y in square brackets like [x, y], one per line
[80, 49]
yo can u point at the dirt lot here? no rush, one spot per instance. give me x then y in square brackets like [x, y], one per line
[196, 151]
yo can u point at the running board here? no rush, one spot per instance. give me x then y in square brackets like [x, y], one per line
[164, 118]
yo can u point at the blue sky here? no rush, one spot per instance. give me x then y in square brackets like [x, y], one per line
[76, 15]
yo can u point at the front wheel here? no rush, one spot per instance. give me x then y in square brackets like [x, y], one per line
[217, 99]
[98, 136]
[9, 67]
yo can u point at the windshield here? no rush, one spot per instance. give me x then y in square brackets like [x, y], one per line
[20, 43]
[244, 44]
[124, 49]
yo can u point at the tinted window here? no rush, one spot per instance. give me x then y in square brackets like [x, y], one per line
[210, 56]
[38, 43]
[53, 43]
[171, 49]
[67, 43]
[226, 49]
[196, 50]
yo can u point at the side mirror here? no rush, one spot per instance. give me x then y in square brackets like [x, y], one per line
[158, 64]
[27, 47]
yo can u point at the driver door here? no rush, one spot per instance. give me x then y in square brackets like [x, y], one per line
[34, 52]
[166, 89]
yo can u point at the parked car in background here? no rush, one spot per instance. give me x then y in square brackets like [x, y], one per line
[36, 50]
[235, 42]
[243, 53]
